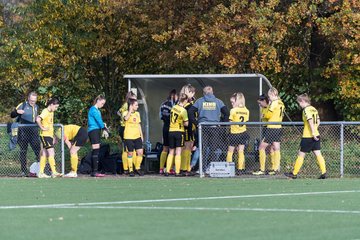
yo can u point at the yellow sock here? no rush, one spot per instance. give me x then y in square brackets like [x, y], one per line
[124, 161]
[298, 163]
[130, 163]
[52, 164]
[229, 156]
[188, 160]
[163, 157]
[262, 159]
[321, 162]
[177, 164]
[42, 164]
[183, 161]
[74, 161]
[272, 160]
[169, 162]
[241, 160]
[277, 158]
[138, 162]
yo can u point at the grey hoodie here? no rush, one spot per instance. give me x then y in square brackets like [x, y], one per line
[209, 108]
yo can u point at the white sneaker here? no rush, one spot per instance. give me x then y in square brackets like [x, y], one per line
[56, 174]
[71, 175]
[43, 175]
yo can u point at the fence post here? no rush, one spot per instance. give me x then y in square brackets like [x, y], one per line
[62, 150]
[342, 149]
[200, 153]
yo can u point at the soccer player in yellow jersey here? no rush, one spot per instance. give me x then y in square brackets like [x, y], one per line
[178, 121]
[238, 136]
[46, 123]
[189, 137]
[310, 141]
[133, 138]
[124, 107]
[272, 133]
[74, 137]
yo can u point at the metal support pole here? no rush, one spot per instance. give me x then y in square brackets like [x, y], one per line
[62, 150]
[200, 153]
[342, 150]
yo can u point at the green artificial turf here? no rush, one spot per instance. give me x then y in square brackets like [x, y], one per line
[258, 211]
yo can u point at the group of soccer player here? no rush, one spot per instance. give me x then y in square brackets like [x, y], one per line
[179, 134]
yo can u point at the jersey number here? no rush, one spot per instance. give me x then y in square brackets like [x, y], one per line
[315, 119]
[174, 117]
[281, 112]
[241, 119]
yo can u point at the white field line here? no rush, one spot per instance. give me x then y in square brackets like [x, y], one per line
[219, 209]
[176, 199]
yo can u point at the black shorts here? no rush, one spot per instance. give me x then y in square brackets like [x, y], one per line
[133, 144]
[189, 135]
[176, 139]
[237, 139]
[47, 142]
[309, 144]
[165, 135]
[80, 138]
[272, 135]
[121, 132]
[94, 136]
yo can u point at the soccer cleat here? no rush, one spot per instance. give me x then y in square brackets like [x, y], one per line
[43, 175]
[172, 172]
[139, 172]
[131, 174]
[290, 175]
[178, 175]
[161, 171]
[71, 175]
[323, 176]
[240, 171]
[272, 172]
[126, 172]
[259, 173]
[56, 174]
[166, 174]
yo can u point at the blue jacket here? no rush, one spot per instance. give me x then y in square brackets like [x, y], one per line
[94, 119]
[209, 109]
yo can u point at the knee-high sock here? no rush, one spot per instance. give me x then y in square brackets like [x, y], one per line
[177, 164]
[163, 157]
[272, 160]
[130, 163]
[124, 161]
[52, 164]
[169, 162]
[74, 161]
[298, 163]
[94, 160]
[229, 156]
[321, 162]
[183, 161]
[188, 160]
[42, 163]
[277, 157]
[241, 160]
[138, 162]
[262, 159]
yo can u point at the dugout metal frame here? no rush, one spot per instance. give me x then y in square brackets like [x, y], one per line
[133, 80]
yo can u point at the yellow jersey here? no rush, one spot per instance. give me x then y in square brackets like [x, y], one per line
[178, 116]
[47, 121]
[132, 125]
[275, 113]
[238, 114]
[263, 112]
[123, 108]
[310, 113]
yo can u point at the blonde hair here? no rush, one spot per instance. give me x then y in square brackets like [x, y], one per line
[273, 91]
[99, 98]
[303, 98]
[239, 99]
[188, 88]
[182, 97]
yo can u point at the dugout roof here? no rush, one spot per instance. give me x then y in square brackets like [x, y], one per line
[152, 90]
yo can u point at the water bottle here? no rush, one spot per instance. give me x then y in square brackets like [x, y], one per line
[148, 146]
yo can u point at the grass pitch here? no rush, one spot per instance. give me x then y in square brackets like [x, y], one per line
[179, 208]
